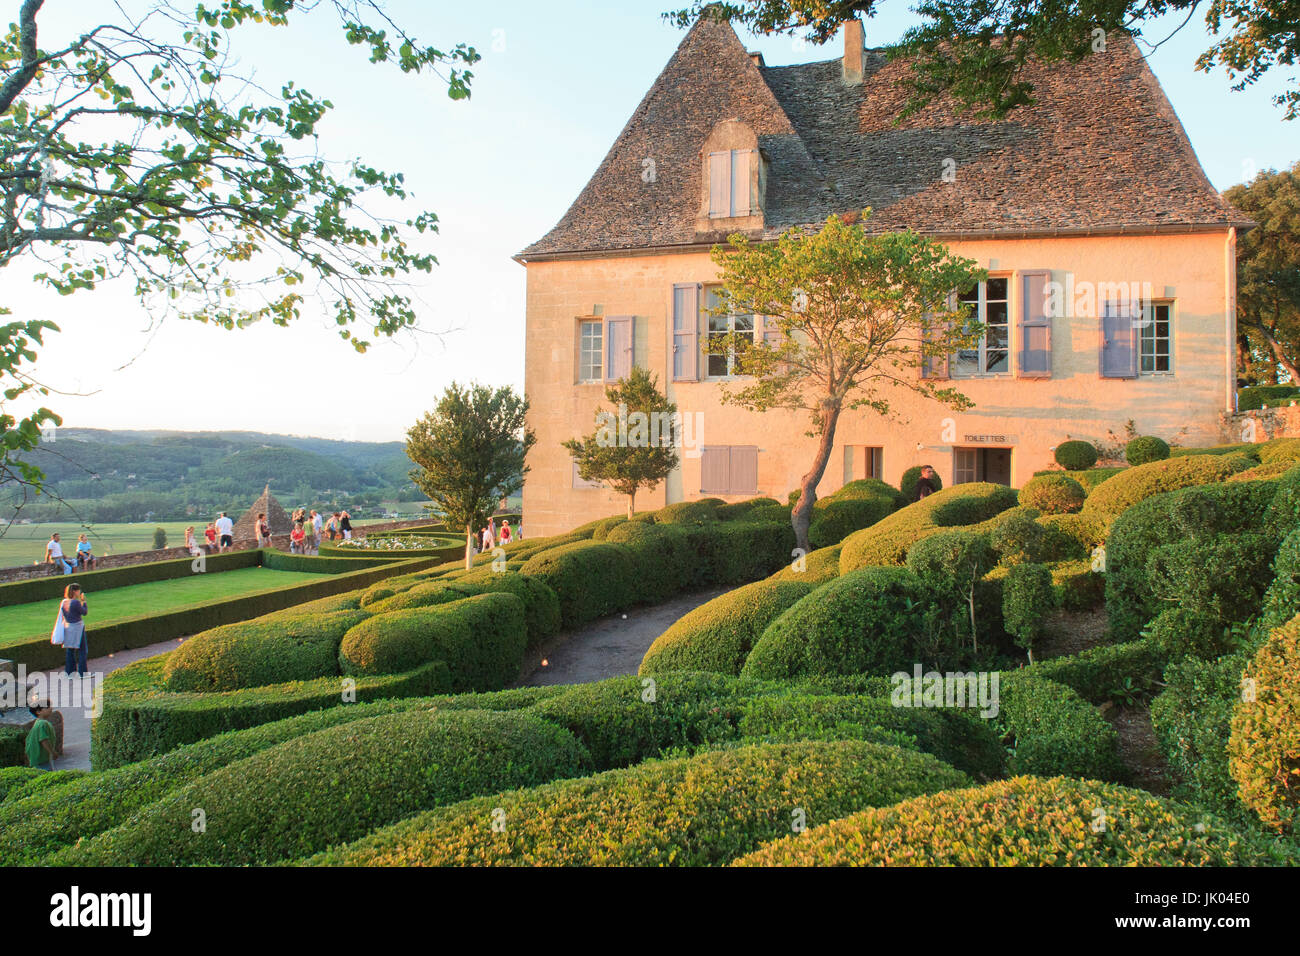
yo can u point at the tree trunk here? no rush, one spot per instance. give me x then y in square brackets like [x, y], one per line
[801, 517]
[1279, 355]
[631, 505]
[469, 546]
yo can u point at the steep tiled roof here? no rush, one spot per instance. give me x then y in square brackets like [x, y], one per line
[1101, 150]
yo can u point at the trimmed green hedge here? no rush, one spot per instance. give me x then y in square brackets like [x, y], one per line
[1146, 448]
[1055, 493]
[819, 567]
[1256, 396]
[834, 519]
[1052, 730]
[1137, 484]
[1100, 674]
[718, 635]
[888, 541]
[481, 640]
[1076, 455]
[336, 785]
[700, 811]
[591, 579]
[1024, 822]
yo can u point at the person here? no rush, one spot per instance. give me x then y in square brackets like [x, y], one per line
[296, 538]
[85, 555]
[488, 543]
[492, 527]
[210, 532]
[332, 526]
[73, 611]
[925, 485]
[225, 531]
[40, 739]
[54, 554]
[505, 532]
[191, 542]
[317, 529]
[345, 525]
[263, 530]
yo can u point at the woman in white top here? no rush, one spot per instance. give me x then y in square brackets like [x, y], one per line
[488, 543]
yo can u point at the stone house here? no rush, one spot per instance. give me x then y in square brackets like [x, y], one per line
[1093, 196]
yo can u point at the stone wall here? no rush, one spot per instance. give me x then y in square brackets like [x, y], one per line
[1261, 424]
[279, 541]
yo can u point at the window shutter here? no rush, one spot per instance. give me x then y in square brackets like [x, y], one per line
[740, 163]
[932, 366]
[1118, 343]
[744, 470]
[686, 330]
[618, 347]
[719, 184]
[1035, 327]
[715, 461]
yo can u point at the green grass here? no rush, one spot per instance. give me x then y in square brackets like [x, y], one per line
[25, 543]
[24, 621]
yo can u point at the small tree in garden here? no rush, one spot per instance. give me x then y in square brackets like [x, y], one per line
[1027, 599]
[159, 538]
[634, 446]
[952, 563]
[848, 319]
[470, 451]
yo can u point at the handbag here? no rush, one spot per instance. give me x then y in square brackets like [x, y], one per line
[56, 636]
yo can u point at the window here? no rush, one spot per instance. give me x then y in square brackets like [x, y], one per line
[590, 349]
[988, 303]
[863, 461]
[1155, 340]
[723, 364]
[729, 469]
[729, 183]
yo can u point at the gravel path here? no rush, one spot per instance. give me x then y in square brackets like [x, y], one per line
[612, 646]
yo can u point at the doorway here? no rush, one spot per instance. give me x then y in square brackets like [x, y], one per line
[981, 464]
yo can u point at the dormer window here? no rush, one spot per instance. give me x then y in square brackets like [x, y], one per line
[730, 183]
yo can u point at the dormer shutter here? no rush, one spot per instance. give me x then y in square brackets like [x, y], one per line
[720, 184]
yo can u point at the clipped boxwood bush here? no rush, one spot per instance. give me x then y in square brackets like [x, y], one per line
[735, 552]
[817, 568]
[601, 529]
[1264, 746]
[1280, 449]
[739, 510]
[264, 651]
[481, 639]
[719, 634]
[834, 519]
[701, 811]
[664, 557]
[1076, 455]
[689, 512]
[1027, 600]
[1025, 821]
[541, 604]
[1100, 674]
[888, 540]
[590, 578]
[1052, 730]
[773, 512]
[863, 621]
[1283, 594]
[1221, 577]
[1137, 484]
[1053, 494]
[1146, 448]
[343, 781]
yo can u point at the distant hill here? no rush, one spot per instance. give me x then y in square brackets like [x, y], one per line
[157, 473]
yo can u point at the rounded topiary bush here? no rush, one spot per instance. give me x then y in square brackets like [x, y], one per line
[817, 568]
[861, 489]
[336, 785]
[1126, 489]
[481, 639]
[834, 519]
[1146, 448]
[664, 560]
[907, 483]
[718, 635]
[1264, 749]
[1280, 449]
[1283, 594]
[260, 652]
[689, 512]
[1025, 821]
[541, 604]
[591, 578]
[1076, 455]
[739, 510]
[701, 811]
[437, 591]
[864, 621]
[1053, 494]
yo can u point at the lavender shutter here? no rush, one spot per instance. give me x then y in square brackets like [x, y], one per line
[1035, 327]
[618, 347]
[715, 463]
[1118, 343]
[686, 330]
[744, 470]
[740, 160]
[719, 184]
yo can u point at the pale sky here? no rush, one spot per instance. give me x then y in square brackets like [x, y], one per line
[557, 82]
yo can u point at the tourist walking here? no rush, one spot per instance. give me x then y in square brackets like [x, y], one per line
[488, 542]
[225, 532]
[263, 531]
[296, 538]
[40, 739]
[332, 526]
[210, 533]
[345, 525]
[54, 555]
[925, 484]
[192, 542]
[317, 528]
[70, 629]
[85, 553]
[492, 527]
[504, 537]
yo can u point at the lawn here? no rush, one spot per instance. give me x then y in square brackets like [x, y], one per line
[24, 621]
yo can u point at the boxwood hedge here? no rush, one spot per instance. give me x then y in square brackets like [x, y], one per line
[1137, 484]
[1051, 730]
[1025, 821]
[698, 811]
[336, 785]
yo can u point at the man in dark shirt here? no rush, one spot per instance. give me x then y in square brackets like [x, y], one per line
[925, 485]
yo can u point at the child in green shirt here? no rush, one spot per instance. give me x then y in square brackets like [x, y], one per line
[40, 739]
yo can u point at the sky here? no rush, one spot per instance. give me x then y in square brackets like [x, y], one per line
[556, 84]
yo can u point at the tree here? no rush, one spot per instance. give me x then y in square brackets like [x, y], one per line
[636, 445]
[977, 50]
[143, 149]
[470, 451]
[1268, 269]
[848, 318]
